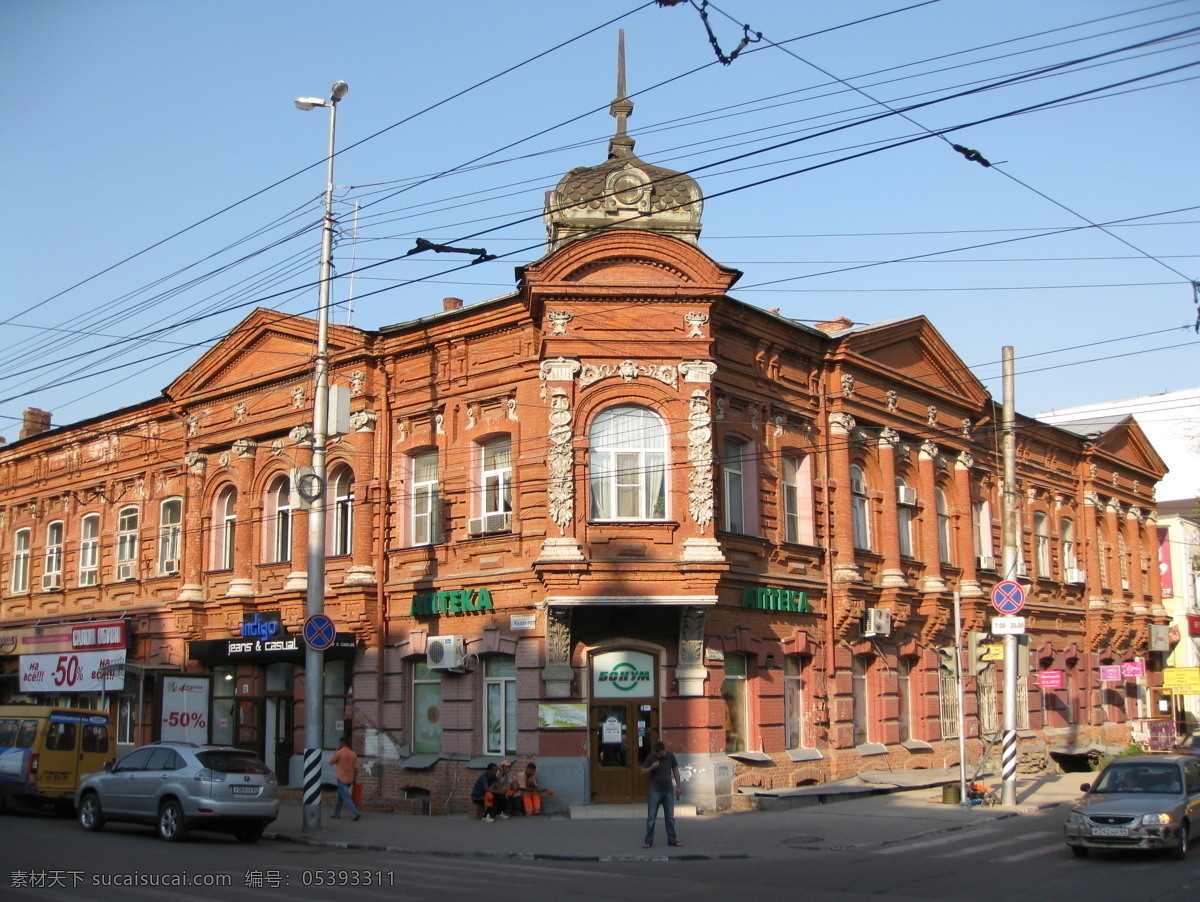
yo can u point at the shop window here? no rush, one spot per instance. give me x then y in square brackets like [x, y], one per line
[224, 704]
[338, 680]
[225, 529]
[906, 514]
[52, 572]
[1041, 544]
[733, 691]
[127, 719]
[945, 530]
[904, 706]
[735, 464]
[127, 543]
[427, 710]
[500, 714]
[425, 498]
[628, 465]
[170, 527]
[798, 500]
[341, 510]
[1066, 532]
[793, 701]
[277, 521]
[860, 666]
[860, 509]
[89, 550]
[20, 561]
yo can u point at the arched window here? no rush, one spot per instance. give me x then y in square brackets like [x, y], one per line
[89, 550]
[127, 542]
[906, 512]
[170, 526]
[945, 530]
[798, 500]
[425, 498]
[734, 458]
[277, 521]
[1041, 544]
[860, 509]
[628, 463]
[20, 561]
[224, 528]
[52, 572]
[340, 508]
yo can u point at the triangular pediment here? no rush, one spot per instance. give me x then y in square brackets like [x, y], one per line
[266, 346]
[915, 351]
[1127, 442]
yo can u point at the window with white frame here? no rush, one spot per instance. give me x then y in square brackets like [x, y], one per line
[906, 513]
[981, 528]
[733, 691]
[1122, 560]
[277, 521]
[496, 481]
[52, 571]
[341, 512]
[20, 560]
[628, 463]
[225, 529]
[793, 701]
[1066, 532]
[427, 710]
[860, 666]
[170, 528]
[500, 705]
[1041, 544]
[734, 459]
[127, 542]
[425, 498]
[797, 500]
[89, 550]
[860, 509]
[945, 528]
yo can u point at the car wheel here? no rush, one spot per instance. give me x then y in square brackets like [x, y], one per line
[171, 826]
[250, 833]
[91, 816]
[1079, 851]
[1180, 852]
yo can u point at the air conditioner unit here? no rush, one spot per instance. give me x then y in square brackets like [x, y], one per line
[170, 567]
[127, 570]
[480, 526]
[877, 622]
[1076, 575]
[906, 495]
[986, 562]
[1022, 570]
[858, 487]
[51, 581]
[446, 653]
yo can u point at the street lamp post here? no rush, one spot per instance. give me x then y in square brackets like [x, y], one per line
[314, 660]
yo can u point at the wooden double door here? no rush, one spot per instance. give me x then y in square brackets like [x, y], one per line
[622, 731]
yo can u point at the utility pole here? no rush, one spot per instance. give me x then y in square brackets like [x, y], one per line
[1008, 754]
[314, 659]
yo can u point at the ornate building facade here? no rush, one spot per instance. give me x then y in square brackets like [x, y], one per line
[613, 505]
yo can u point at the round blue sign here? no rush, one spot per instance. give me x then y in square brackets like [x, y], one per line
[319, 632]
[1008, 597]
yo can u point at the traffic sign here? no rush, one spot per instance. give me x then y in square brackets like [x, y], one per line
[1008, 626]
[1008, 597]
[319, 632]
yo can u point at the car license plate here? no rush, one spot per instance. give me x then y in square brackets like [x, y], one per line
[245, 790]
[1110, 831]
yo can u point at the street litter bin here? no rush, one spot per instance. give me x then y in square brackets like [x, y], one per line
[951, 794]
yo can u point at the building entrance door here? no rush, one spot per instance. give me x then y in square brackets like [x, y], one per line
[623, 724]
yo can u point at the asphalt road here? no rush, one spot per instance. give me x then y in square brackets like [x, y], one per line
[1020, 858]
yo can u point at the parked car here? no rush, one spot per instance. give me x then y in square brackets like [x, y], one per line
[1189, 745]
[1139, 802]
[46, 750]
[179, 786]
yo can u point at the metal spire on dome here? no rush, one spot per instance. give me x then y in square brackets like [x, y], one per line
[620, 145]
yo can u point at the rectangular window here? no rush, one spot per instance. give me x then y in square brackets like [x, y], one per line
[497, 477]
[791, 500]
[127, 543]
[904, 698]
[793, 701]
[170, 527]
[985, 694]
[500, 715]
[425, 499]
[735, 486]
[52, 572]
[859, 667]
[945, 529]
[427, 710]
[338, 676]
[20, 561]
[948, 692]
[89, 551]
[733, 691]
[905, 514]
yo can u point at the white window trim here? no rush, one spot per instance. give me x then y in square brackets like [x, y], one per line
[169, 535]
[20, 564]
[89, 551]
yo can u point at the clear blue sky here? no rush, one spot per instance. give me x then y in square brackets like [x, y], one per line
[127, 121]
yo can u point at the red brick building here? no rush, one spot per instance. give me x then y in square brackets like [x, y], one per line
[612, 505]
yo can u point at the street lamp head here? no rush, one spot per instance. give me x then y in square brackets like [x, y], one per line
[307, 103]
[339, 90]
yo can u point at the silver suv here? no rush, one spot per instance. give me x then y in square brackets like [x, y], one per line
[178, 786]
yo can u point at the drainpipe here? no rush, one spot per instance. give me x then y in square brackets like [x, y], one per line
[383, 464]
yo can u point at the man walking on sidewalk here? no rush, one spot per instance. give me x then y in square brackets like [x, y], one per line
[344, 762]
[662, 767]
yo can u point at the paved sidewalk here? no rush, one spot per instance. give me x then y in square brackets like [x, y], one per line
[863, 821]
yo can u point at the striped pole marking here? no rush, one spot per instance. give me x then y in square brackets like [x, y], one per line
[312, 777]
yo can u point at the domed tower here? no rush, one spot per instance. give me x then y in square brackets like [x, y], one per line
[622, 192]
